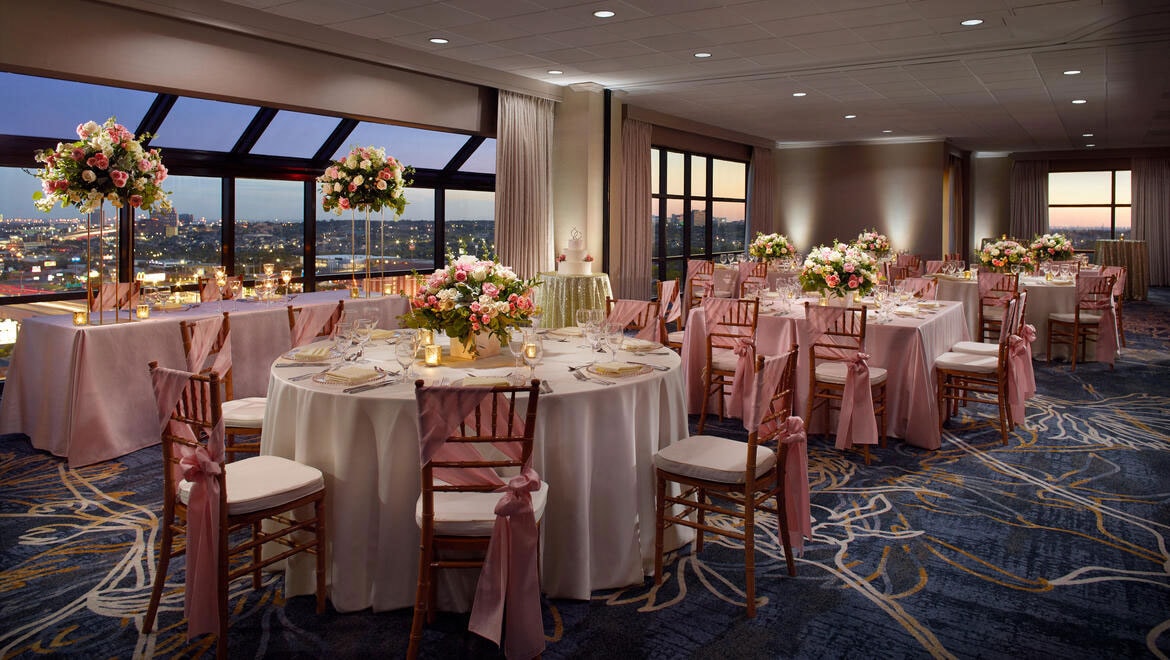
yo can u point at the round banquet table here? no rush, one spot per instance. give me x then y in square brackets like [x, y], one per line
[594, 445]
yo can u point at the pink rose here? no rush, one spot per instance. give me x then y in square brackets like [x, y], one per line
[352, 187]
[486, 318]
[475, 326]
[474, 307]
[385, 175]
[135, 200]
[833, 280]
[99, 161]
[491, 290]
[119, 177]
[460, 276]
[854, 282]
[160, 174]
[144, 165]
[849, 268]
[343, 202]
[78, 154]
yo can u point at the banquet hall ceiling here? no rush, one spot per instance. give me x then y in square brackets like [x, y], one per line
[907, 69]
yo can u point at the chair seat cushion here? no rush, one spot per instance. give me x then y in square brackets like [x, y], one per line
[970, 362]
[263, 482]
[472, 514]
[1071, 317]
[724, 359]
[245, 413]
[976, 347]
[712, 458]
[676, 337]
[835, 372]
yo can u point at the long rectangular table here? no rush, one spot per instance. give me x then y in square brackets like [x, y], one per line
[905, 346]
[84, 393]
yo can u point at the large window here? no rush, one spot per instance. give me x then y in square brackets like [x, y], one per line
[699, 208]
[1088, 206]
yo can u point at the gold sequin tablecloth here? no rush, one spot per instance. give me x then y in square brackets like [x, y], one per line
[1135, 256]
[561, 296]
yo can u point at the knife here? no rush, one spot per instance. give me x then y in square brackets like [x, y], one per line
[652, 366]
[365, 388]
[302, 364]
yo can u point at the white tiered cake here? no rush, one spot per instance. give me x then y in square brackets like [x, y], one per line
[574, 260]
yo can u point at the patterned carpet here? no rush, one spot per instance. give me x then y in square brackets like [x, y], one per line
[1055, 545]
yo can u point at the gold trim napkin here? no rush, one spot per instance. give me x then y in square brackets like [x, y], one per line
[351, 376]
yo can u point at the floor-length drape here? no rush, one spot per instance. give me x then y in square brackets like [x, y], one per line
[761, 193]
[956, 228]
[1151, 213]
[1029, 199]
[632, 276]
[524, 131]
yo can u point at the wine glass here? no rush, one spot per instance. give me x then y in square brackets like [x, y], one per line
[533, 353]
[613, 335]
[363, 331]
[236, 286]
[286, 277]
[341, 336]
[404, 352]
[516, 347]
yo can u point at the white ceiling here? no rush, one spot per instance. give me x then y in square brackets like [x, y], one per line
[903, 66]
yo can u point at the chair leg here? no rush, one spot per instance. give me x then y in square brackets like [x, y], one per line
[160, 575]
[257, 555]
[659, 524]
[749, 554]
[701, 517]
[706, 399]
[420, 600]
[1120, 325]
[322, 553]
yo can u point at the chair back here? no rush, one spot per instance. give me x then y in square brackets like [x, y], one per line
[835, 334]
[730, 319]
[640, 316]
[776, 381]
[995, 289]
[114, 295]
[307, 324]
[188, 424]
[207, 347]
[895, 273]
[925, 288]
[913, 262]
[1119, 273]
[209, 291]
[1094, 293]
[669, 308]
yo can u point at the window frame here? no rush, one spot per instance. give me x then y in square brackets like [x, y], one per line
[1112, 205]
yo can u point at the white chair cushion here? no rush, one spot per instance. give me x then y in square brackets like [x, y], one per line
[245, 413]
[712, 458]
[724, 359]
[993, 312]
[676, 337]
[262, 482]
[472, 514]
[976, 347]
[1071, 317]
[971, 362]
[835, 372]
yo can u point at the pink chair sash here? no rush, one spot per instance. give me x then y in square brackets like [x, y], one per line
[114, 295]
[987, 282]
[203, 335]
[200, 467]
[741, 391]
[934, 266]
[668, 302]
[210, 292]
[625, 311]
[310, 321]
[921, 287]
[857, 423]
[508, 592]
[1021, 377]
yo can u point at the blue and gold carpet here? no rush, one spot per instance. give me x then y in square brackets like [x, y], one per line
[1052, 546]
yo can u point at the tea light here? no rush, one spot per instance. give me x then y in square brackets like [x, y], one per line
[966, 274]
[80, 318]
[387, 289]
[431, 354]
[355, 292]
[530, 351]
[426, 337]
[142, 311]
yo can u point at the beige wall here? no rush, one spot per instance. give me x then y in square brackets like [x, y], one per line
[838, 191]
[991, 212]
[578, 162]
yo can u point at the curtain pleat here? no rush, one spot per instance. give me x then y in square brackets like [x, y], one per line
[1028, 195]
[761, 193]
[632, 275]
[524, 130]
[955, 226]
[1151, 214]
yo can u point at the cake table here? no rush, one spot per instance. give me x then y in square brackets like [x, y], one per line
[560, 296]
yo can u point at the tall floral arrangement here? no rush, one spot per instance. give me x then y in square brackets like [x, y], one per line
[366, 179]
[840, 269]
[1052, 247]
[108, 164]
[874, 243]
[1005, 254]
[766, 247]
[471, 296]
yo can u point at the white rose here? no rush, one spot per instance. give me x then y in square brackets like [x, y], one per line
[358, 180]
[88, 176]
[479, 273]
[365, 164]
[380, 185]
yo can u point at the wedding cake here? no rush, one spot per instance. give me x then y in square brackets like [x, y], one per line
[574, 260]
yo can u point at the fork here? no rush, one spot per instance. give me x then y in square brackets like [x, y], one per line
[600, 381]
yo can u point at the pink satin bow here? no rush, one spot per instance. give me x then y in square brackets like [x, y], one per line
[745, 348]
[508, 592]
[857, 424]
[201, 468]
[796, 497]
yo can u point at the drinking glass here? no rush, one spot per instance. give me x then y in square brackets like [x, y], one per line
[613, 335]
[286, 277]
[237, 289]
[516, 347]
[341, 336]
[404, 352]
[363, 331]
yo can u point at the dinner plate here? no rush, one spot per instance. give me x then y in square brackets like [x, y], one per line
[641, 371]
[295, 355]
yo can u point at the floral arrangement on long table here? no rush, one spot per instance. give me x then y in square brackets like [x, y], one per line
[840, 270]
[1006, 255]
[1052, 247]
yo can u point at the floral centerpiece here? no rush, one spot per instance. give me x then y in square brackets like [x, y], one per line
[766, 247]
[874, 243]
[366, 179]
[107, 164]
[840, 270]
[1052, 247]
[469, 297]
[1004, 255]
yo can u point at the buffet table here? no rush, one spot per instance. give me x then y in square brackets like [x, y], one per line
[84, 393]
[560, 296]
[1134, 255]
[905, 346]
[594, 447]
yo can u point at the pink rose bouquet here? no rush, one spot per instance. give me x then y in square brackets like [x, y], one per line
[366, 179]
[841, 269]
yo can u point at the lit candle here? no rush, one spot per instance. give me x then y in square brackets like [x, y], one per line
[269, 269]
[426, 337]
[355, 292]
[431, 354]
[530, 350]
[142, 311]
[80, 318]
[967, 274]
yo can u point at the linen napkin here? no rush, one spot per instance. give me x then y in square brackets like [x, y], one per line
[312, 354]
[633, 344]
[616, 368]
[379, 333]
[483, 381]
[351, 376]
[568, 331]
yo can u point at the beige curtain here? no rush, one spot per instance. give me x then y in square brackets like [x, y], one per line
[761, 193]
[524, 235]
[632, 273]
[954, 211]
[1028, 194]
[1151, 213]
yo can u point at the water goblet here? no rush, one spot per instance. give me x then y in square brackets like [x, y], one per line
[516, 348]
[404, 352]
[363, 331]
[613, 335]
[286, 277]
[341, 336]
[237, 289]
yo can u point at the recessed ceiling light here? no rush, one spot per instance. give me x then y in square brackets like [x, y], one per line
[603, 13]
[702, 55]
[800, 93]
[555, 72]
[887, 131]
[1090, 145]
[1086, 135]
[851, 116]
[438, 40]
[971, 22]
[1072, 72]
[1079, 101]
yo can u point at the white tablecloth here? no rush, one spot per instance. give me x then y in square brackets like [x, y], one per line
[594, 447]
[906, 347]
[1044, 298]
[84, 392]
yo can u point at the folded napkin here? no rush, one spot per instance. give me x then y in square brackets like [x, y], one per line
[905, 311]
[312, 354]
[632, 344]
[382, 334]
[351, 376]
[483, 381]
[616, 368]
[568, 331]
[928, 304]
